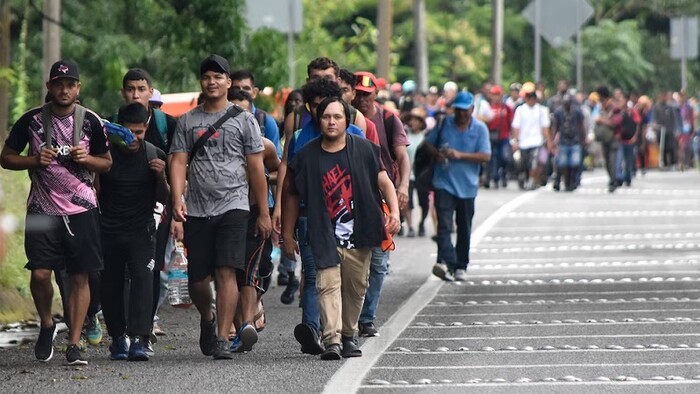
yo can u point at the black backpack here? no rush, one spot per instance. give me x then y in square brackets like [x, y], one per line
[629, 126]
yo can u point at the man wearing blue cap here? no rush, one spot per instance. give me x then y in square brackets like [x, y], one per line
[462, 143]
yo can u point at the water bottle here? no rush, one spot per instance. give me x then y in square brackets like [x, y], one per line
[179, 294]
[443, 149]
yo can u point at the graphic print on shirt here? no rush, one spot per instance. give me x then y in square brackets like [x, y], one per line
[337, 186]
[64, 187]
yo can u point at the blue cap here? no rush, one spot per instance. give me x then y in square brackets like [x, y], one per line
[464, 100]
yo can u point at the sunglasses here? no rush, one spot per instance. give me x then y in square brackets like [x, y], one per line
[365, 81]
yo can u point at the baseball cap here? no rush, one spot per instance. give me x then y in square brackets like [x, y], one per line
[64, 69]
[450, 86]
[409, 86]
[156, 98]
[463, 100]
[366, 81]
[496, 89]
[214, 63]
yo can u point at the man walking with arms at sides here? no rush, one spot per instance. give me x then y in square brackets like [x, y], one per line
[127, 195]
[215, 209]
[339, 176]
[462, 147]
[67, 146]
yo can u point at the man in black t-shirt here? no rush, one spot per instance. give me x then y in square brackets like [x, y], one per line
[127, 195]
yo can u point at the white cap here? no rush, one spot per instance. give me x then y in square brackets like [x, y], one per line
[450, 86]
[156, 98]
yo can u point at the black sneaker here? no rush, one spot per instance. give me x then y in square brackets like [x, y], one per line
[43, 349]
[282, 279]
[73, 356]
[221, 349]
[137, 351]
[332, 352]
[287, 296]
[207, 336]
[306, 336]
[368, 330]
[351, 347]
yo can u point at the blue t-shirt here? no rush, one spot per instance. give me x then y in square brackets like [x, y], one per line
[460, 177]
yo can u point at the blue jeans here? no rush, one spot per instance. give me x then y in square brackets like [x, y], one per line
[309, 297]
[625, 163]
[498, 166]
[446, 205]
[569, 156]
[286, 266]
[378, 269]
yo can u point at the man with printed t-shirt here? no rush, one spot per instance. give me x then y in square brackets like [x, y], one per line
[62, 226]
[215, 208]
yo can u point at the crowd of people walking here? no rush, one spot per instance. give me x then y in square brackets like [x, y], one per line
[330, 183]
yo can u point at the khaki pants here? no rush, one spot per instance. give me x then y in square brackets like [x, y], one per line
[341, 292]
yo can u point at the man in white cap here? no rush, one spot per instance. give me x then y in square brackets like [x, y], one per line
[156, 100]
[461, 145]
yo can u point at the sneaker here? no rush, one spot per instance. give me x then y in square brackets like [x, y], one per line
[460, 275]
[411, 233]
[332, 352]
[287, 296]
[43, 349]
[307, 337]
[351, 347]
[245, 339]
[119, 349]
[93, 331]
[207, 336]
[148, 347]
[137, 352]
[221, 349]
[73, 356]
[421, 230]
[368, 330]
[440, 270]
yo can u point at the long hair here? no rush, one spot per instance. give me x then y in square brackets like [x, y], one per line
[325, 103]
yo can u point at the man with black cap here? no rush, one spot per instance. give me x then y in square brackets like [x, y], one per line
[127, 195]
[67, 146]
[215, 208]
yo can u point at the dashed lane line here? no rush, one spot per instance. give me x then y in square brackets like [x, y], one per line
[349, 377]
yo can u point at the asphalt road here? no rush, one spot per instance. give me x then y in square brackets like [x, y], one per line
[567, 292]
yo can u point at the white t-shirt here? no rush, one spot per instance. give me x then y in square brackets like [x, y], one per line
[530, 121]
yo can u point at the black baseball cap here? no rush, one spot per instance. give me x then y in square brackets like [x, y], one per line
[64, 69]
[214, 63]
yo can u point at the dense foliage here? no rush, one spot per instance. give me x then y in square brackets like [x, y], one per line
[625, 43]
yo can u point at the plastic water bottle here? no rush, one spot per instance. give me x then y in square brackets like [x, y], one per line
[179, 294]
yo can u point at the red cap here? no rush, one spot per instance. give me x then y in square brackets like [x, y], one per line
[366, 81]
[496, 89]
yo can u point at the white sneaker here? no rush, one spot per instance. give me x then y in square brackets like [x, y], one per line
[440, 270]
[460, 275]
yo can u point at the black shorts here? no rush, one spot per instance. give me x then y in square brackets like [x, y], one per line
[217, 241]
[258, 251]
[70, 242]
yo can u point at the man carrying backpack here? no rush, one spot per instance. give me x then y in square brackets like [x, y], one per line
[629, 132]
[67, 146]
[127, 195]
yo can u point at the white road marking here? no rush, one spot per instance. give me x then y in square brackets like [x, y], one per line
[350, 376]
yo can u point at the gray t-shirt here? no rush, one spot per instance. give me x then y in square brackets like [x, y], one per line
[217, 180]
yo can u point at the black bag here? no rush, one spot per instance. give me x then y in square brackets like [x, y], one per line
[232, 112]
[629, 127]
[424, 162]
[493, 136]
[603, 133]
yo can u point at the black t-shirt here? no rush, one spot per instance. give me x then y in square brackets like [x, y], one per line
[128, 192]
[337, 187]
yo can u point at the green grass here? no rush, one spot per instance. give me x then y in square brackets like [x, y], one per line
[15, 298]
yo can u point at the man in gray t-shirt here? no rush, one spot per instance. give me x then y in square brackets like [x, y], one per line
[215, 207]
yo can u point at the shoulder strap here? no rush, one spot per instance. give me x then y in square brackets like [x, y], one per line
[151, 151]
[297, 119]
[353, 115]
[441, 125]
[46, 120]
[78, 119]
[261, 117]
[161, 125]
[230, 113]
[389, 131]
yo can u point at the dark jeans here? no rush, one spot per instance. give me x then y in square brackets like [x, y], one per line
[500, 158]
[309, 296]
[610, 155]
[446, 206]
[625, 163]
[134, 253]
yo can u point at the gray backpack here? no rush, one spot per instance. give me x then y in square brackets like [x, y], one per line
[78, 119]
